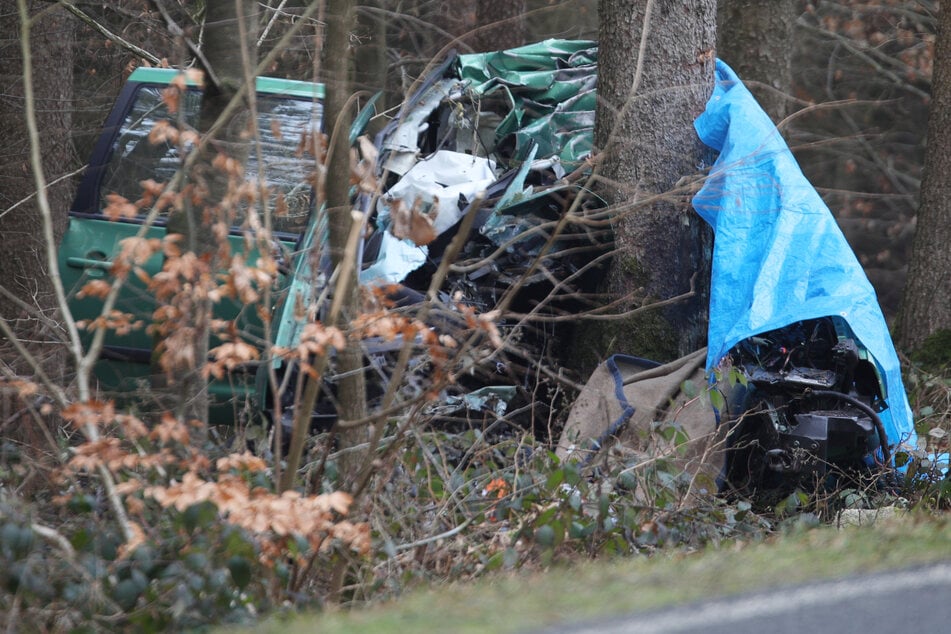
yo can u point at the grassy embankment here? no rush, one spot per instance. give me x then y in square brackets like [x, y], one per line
[521, 602]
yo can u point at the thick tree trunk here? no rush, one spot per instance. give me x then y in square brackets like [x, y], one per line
[23, 267]
[756, 39]
[27, 298]
[656, 63]
[926, 307]
[507, 28]
[229, 26]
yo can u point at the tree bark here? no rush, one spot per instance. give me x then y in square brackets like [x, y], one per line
[926, 307]
[23, 267]
[508, 28]
[756, 39]
[336, 65]
[656, 63]
[27, 298]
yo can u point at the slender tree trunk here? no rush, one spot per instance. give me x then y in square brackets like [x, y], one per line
[230, 26]
[370, 56]
[371, 65]
[924, 324]
[756, 39]
[336, 66]
[656, 63]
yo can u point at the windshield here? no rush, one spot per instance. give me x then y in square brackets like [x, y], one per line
[283, 123]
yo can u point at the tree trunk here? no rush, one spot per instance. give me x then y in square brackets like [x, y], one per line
[925, 319]
[656, 63]
[229, 26]
[351, 387]
[508, 28]
[371, 67]
[27, 299]
[756, 39]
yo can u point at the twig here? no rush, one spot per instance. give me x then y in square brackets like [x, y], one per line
[641, 52]
[869, 56]
[270, 23]
[33, 195]
[435, 538]
[177, 31]
[129, 46]
[56, 537]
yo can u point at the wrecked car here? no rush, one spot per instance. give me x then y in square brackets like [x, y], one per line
[817, 390]
[794, 311]
[484, 131]
[495, 144]
[492, 146]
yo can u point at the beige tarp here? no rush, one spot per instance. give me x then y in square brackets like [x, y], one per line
[624, 398]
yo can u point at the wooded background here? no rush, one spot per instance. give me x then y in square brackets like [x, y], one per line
[849, 83]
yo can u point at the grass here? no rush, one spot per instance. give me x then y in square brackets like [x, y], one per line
[520, 602]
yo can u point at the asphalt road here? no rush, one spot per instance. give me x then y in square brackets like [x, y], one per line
[912, 600]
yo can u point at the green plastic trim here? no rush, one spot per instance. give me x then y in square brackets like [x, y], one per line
[291, 87]
[266, 85]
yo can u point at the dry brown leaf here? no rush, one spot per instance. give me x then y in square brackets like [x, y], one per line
[119, 207]
[94, 288]
[412, 223]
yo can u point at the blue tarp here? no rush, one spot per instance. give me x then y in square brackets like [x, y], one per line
[779, 256]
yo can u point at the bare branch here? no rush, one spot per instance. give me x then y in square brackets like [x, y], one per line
[33, 195]
[270, 23]
[874, 59]
[129, 46]
[177, 31]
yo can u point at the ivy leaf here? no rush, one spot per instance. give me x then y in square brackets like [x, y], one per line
[240, 569]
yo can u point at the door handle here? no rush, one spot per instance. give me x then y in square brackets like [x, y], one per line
[89, 263]
[96, 266]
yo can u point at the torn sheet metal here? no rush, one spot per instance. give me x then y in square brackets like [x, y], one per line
[494, 398]
[444, 183]
[779, 257]
[402, 144]
[550, 89]
[396, 259]
[518, 120]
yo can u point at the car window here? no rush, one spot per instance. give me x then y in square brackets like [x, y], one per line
[134, 158]
[285, 126]
[284, 123]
